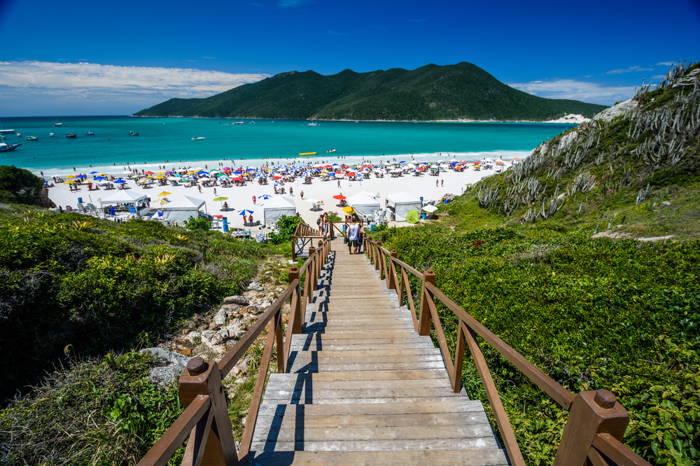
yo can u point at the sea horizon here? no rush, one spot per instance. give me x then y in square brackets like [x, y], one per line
[189, 141]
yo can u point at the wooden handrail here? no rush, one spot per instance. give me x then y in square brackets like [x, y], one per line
[596, 422]
[550, 386]
[205, 418]
[171, 440]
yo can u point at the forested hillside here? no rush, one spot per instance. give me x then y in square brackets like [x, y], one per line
[461, 91]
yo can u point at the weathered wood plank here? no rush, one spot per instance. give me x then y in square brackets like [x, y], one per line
[372, 458]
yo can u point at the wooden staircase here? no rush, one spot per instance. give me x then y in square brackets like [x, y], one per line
[363, 387]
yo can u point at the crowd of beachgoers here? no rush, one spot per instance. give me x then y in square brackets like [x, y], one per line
[235, 192]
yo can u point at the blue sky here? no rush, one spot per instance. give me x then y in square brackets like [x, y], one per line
[80, 57]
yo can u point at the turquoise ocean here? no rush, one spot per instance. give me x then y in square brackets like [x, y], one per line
[170, 139]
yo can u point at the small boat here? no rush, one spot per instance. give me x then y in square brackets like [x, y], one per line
[238, 123]
[133, 133]
[52, 135]
[8, 147]
[7, 131]
[330, 151]
[198, 138]
[90, 133]
[19, 135]
[313, 123]
[307, 154]
[72, 136]
[31, 138]
[58, 124]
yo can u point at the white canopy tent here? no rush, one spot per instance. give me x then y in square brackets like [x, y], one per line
[178, 210]
[122, 196]
[364, 203]
[402, 203]
[277, 207]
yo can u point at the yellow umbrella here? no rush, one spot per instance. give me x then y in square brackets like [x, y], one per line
[164, 193]
[70, 182]
[348, 210]
[71, 176]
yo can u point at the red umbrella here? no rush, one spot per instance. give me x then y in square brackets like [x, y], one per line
[149, 173]
[350, 173]
[276, 177]
[238, 178]
[340, 197]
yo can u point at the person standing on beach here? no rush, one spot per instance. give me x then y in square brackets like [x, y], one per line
[254, 199]
[301, 194]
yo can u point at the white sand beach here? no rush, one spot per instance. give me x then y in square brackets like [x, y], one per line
[431, 188]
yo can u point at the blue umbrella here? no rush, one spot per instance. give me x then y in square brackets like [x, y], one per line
[98, 178]
[120, 181]
[92, 173]
[245, 212]
[264, 196]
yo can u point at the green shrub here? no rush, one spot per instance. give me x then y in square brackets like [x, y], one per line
[19, 185]
[197, 223]
[93, 412]
[591, 313]
[285, 228]
[68, 279]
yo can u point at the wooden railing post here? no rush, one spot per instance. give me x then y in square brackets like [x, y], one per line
[378, 249]
[295, 305]
[311, 272]
[424, 322]
[591, 413]
[204, 378]
[390, 279]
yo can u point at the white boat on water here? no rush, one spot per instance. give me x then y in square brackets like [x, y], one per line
[58, 124]
[7, 131]
[198, 138]
[313, 123]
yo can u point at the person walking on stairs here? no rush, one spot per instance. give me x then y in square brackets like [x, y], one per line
[354, 236]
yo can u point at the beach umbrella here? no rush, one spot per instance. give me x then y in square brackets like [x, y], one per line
[221, 198]
[70, 182]
[149, 172]
[238, 178]
[245, 212]
[93, 173]
[340, 197]
[264, 196]
[120, 181]
[348, 210]
[99, 178]
[71, 176]
[164, 193]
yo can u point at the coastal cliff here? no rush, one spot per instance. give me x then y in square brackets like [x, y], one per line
[455, 92]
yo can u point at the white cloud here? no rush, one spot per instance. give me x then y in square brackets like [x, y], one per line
[577, 90]
[666, 63]
[51, 83]
[630, 69]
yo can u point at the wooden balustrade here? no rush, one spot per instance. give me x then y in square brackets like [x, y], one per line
[205, 420]
[597, 422]
[304, 236]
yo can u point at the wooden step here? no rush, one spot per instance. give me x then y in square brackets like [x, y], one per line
[466, 443]
[371, 458]
[451, 405]
[409, 374]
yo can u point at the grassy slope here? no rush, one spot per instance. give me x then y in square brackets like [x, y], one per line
[68, 279]
[427, 93]
[592, 313]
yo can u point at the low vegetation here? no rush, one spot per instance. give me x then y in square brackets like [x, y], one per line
[93, 412]
[522, 253]
[75, 284]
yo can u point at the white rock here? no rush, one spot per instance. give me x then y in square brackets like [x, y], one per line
[623, 108]
[220, 317]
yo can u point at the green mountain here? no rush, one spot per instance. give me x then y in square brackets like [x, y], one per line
[461, 91]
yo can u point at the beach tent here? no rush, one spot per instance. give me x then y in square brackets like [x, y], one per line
[123, 197]
[180, 209]
[364, 203]
[277, 207]
[402, 203]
